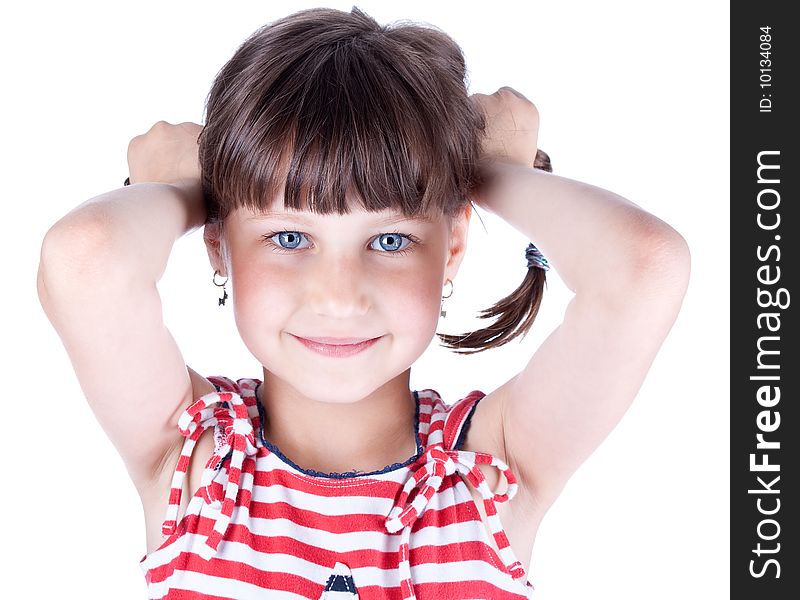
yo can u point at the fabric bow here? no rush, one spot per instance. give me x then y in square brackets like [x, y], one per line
[234, 437]
[440, 463]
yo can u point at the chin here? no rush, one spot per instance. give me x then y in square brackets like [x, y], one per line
[333, 392]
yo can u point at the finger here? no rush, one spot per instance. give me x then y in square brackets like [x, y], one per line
[479, 98]
[484, 101]
[511, 90]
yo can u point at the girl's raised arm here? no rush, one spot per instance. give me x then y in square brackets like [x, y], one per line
[97, 284]
[629, 271]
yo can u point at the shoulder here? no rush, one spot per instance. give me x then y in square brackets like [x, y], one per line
[481, 425]
[217, 391]
[209, 391]
[453, 419]
[483, 433]
[202, 385]
[459, 418]
[478, 422]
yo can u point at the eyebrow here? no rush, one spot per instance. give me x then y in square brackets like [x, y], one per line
[303, 221]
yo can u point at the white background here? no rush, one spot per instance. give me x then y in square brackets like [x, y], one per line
[633, 97]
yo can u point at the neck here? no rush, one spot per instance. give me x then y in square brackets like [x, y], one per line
[365, 435]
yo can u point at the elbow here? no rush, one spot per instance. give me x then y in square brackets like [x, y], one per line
[661, 266]
[73, 252]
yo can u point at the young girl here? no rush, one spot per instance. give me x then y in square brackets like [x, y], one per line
[334, 178]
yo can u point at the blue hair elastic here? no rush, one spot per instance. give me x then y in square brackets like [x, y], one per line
[536, 258]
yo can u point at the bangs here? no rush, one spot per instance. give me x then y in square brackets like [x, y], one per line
[347, 123]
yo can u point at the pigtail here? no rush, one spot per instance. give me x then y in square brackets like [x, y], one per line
[515, 313]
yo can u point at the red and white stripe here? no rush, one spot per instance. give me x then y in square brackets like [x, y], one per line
[409, 532]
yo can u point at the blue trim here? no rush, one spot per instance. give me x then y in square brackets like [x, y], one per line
[462, 436]
[348, 474]
[341, 583]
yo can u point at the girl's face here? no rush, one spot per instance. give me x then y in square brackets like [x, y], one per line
[361, 275]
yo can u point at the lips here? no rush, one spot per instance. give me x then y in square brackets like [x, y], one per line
[341, 347]
[335, 341]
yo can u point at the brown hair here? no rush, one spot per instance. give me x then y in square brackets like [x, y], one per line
[330, 104]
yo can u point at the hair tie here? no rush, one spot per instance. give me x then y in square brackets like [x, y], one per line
[536, 258]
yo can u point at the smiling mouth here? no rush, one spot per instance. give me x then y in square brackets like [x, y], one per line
[342, 347]
[336, 341]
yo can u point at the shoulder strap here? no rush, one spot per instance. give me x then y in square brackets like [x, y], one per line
[223, 383]
[458, 419]
[226, 412]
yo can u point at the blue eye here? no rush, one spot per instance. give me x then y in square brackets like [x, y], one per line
[395, 242]
[290, 238]
[390, 243]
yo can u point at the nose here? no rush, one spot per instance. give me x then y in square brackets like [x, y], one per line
[338, 287]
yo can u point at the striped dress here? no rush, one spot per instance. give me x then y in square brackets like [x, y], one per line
[259, 526]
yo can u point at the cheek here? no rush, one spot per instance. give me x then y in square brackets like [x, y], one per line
[420, 292]
[417, 298]
[260, 304]
[262, 295]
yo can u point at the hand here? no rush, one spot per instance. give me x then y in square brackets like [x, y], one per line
[166, 153]
[512, 127]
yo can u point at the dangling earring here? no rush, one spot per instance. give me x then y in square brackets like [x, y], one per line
[222, 285]
[443, 312]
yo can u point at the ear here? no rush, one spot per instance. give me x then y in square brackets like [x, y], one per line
[213, 237]
[459, 230]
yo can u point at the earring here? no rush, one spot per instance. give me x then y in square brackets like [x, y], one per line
[222, 285]
[442, 312]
